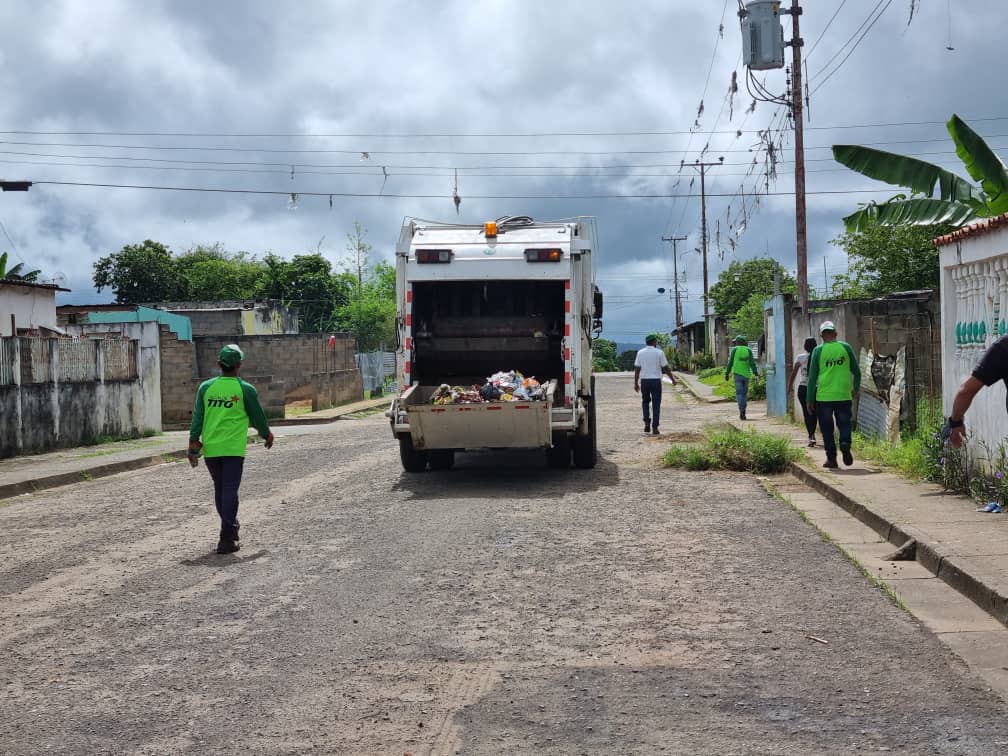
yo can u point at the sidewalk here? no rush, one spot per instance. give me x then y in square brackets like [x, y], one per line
[701, 391]
[965, 548]
[335, 413]
[35, 472]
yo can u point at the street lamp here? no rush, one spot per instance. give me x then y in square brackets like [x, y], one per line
[14, 186]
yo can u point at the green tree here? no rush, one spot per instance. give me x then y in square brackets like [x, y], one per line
[369, 314]
[141, 273]
[748, 319]
[957, 202]
[17, 272]
[604, 356]
[626, 359]
[884, 259]
[307, 284]
[213, 274]
[740, 280]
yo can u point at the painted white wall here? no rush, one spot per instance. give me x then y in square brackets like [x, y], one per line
[31, 306]
[974, 288]
[142, 410]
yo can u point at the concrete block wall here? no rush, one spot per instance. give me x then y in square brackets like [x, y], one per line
[885, 324]
[336, 388]
[282, 364]
[179, 378]
[59, 413]
[291, 358]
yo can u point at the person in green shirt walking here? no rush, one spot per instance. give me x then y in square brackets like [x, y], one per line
[741, 364]
[225, 407]
[834, 377]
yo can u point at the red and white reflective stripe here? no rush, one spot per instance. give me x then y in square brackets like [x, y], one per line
[408, 334]
[568, 385]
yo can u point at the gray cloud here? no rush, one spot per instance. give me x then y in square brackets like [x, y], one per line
[404, 68]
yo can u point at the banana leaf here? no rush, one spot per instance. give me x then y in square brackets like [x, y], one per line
[917, 175]
[982, 164]
[919, 211]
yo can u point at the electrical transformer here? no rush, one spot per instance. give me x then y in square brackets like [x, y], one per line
[762, 35]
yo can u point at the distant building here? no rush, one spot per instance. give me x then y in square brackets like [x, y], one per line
[234, 319]
[80, 315]
[27, 307]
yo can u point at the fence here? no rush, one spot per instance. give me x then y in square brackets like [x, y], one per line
[919, 337]
[375, 367]
[7, 347]
[44, 360]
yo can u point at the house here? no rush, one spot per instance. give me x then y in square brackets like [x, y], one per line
[231, 320]
[27, 307]
[78, 315]
[974, 314]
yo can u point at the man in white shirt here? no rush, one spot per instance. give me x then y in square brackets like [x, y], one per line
[648, 368]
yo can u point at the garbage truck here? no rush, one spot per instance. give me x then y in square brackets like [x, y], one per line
[512, 294]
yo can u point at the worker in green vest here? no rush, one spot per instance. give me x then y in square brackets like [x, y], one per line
[225, 406]
[741, 365]
[834, 378]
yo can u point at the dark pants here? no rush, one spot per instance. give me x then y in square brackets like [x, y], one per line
[741, 392]
[227, 474]
[650, 391]
[808, 417]
[826, 411]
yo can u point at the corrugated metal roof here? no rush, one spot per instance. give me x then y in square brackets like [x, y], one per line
[980, 228]
[16, 282]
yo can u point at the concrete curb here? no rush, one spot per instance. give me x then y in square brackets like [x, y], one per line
[98, 471]
[707, 398]
[931, 556]
[282, 421]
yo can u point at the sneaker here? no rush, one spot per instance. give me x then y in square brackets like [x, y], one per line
[830, 463]
[811, 443]
[848, 458]
[741, 416]
[647, 427]
[227, 546]
[655, 431]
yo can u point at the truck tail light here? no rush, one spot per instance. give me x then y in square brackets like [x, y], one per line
[543, 255]
[433, 256]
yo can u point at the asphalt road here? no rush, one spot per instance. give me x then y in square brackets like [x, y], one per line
[498, 608]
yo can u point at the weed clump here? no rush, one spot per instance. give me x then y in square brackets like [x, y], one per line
[732, 449]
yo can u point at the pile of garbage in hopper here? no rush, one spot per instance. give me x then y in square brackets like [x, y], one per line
[500, 387]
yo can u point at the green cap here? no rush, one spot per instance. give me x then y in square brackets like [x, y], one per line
[650, 337]
[740, 339]
[230, 355]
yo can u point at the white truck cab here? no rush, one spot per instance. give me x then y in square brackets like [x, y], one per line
[510, 294]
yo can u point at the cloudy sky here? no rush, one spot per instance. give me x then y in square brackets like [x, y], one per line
[546, 109]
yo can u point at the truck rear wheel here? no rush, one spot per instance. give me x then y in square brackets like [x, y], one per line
[413, 460]
[586, 445]
[559, 456]
[442, 459]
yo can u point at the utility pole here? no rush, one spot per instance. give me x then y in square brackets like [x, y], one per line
[702, 166]
[675, 273]
[801, 238]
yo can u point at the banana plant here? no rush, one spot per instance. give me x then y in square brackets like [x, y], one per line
[15, 274]
[936, 195]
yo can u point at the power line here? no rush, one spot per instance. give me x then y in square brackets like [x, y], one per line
[853, 48]
[454, 135]
[286, 166]
[288, 193]
[571, 172]
[823, 32]
[13, 245]
[291, 151]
